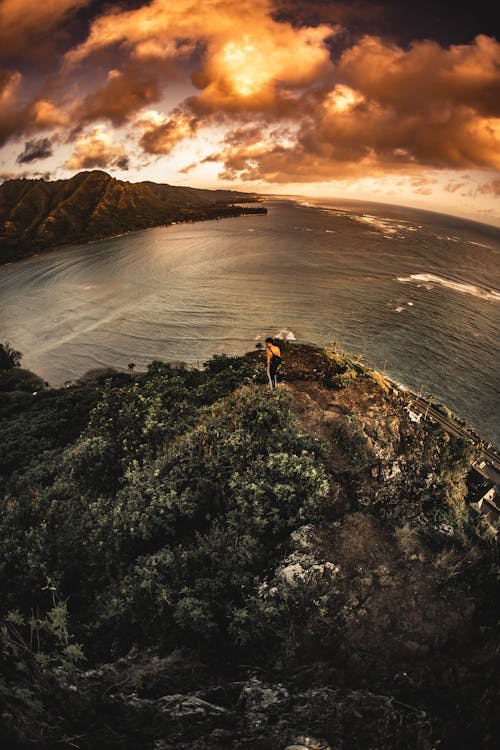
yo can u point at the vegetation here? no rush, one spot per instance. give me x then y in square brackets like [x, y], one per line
[37, 214]
[173, 539]
[9, 358]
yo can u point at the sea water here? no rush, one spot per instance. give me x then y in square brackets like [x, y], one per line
[416, 293]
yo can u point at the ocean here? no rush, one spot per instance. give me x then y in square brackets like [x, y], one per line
[416, 293]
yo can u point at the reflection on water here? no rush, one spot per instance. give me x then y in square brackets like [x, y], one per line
[185, 292]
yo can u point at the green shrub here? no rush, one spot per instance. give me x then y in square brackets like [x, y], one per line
[38, 658]
[349, 435]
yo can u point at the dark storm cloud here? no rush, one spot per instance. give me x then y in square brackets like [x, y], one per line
[33, 29]
[38, 148]
[442, 20]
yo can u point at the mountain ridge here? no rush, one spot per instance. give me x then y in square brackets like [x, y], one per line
[38, 214]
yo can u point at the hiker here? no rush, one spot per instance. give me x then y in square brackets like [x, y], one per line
[273, 359]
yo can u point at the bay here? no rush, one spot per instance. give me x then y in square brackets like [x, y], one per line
[412, 291]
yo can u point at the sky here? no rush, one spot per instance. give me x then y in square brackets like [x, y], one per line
[389, 101]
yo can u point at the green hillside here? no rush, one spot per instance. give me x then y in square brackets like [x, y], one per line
[191, 561]
[38, 214]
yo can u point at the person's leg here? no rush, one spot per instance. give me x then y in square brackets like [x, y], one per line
[273, 367]
[269, 375]
[276, 374]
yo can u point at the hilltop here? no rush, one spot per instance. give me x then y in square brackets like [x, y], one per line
[216, 566]
[38, 214]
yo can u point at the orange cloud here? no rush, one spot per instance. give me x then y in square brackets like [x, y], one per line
[252, 69]
[97, 150]
[123, 94]
[248, 60]
[426, 77]
[43, 114]
[391, 110]
[16, 117]
[264, 75]
[160, 134]
[9, 84]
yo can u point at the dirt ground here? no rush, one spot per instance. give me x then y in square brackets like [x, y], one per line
[396, 600]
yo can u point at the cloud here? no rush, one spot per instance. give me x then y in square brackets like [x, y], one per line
[294, 96]
[27, 26]
[17, 116]
[455, 186]
[247, 61]
[423, 185]
[253, 70]
[96, 149]
[390, 110]
[427, 76]
[160, 134]
[42, 114]
[123, 94]
[146, 32]
[10, 81]
[9, 84]
[40, 148]
[490, 188]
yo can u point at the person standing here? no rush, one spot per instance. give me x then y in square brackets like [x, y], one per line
[273, 359]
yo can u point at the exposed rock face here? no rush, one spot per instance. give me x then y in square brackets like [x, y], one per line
[35, 214]
[267, 716]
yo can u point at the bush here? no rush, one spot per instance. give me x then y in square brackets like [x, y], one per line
[17, 379]
[37, 661]
[349, 435]
[193, 529]
[9, 358]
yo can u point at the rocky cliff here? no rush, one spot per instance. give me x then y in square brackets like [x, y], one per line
[242, 569]
[37, 214]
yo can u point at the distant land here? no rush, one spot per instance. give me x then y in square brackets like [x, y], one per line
[38, 214]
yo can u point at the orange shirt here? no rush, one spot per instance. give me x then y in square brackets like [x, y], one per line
[270, 350]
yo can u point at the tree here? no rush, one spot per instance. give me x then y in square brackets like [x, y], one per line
[9, 358]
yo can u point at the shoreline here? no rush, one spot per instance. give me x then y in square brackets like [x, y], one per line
[217, 217]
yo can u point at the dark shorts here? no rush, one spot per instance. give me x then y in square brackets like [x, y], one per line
[273, 369]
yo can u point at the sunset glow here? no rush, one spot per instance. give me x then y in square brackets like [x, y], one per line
[281, 96]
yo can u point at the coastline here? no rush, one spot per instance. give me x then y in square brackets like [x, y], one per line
[35, 251]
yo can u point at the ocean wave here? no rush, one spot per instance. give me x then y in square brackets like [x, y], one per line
[388, 227]
[285, 334]
[383, 225]
[481, 244]
[457, 286]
